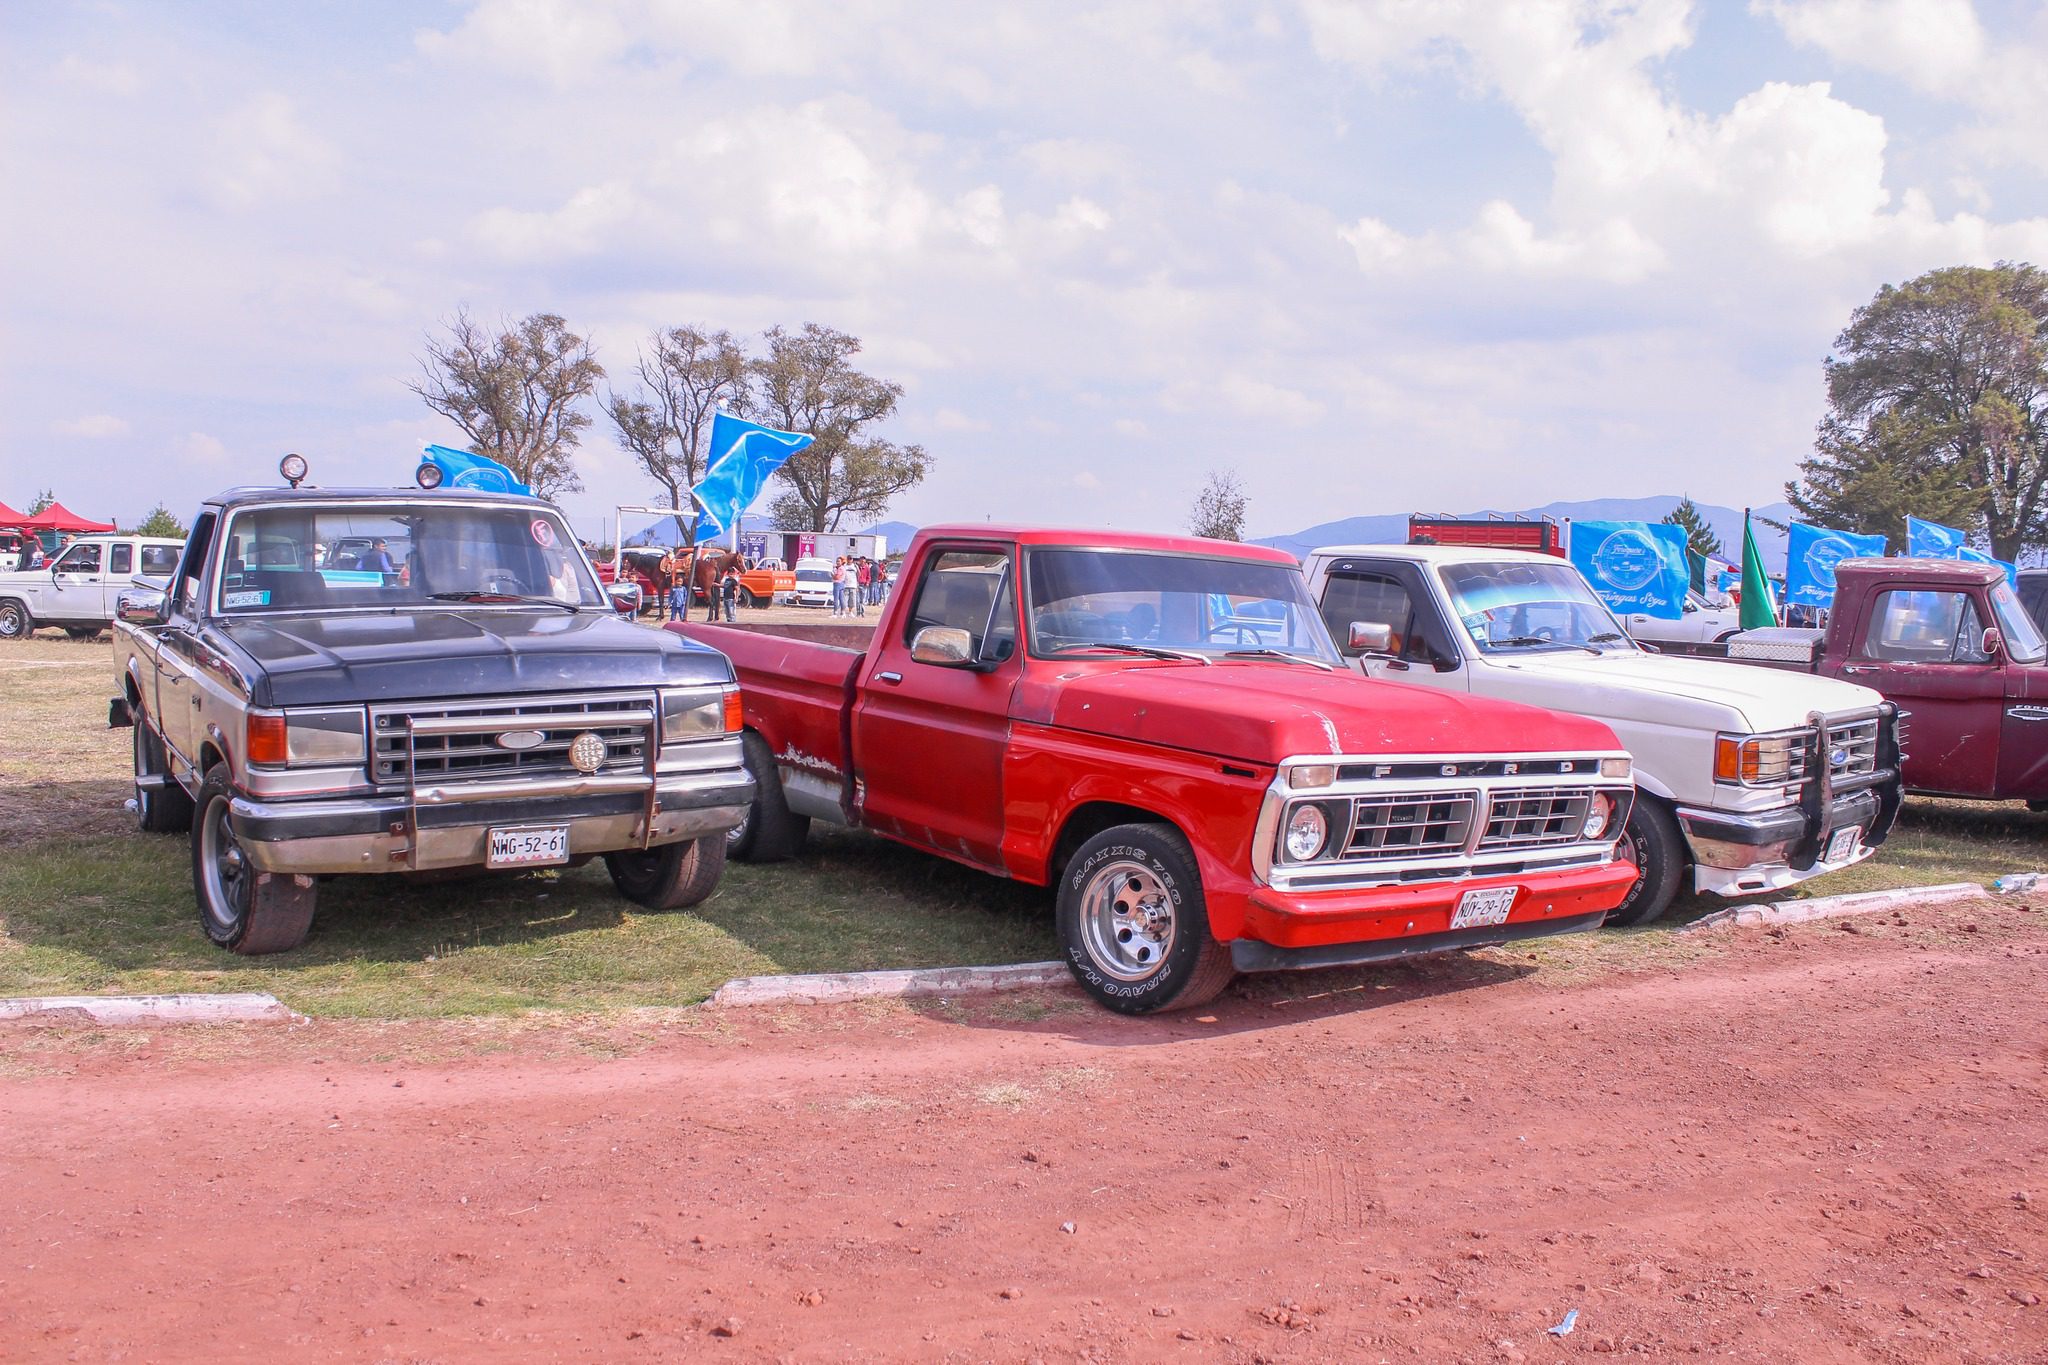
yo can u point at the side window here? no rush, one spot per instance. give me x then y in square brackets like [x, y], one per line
[192, 567]
[968, 590]
[79, 559]
[1925, 627]
[1372, 598]
[121, 559]
[159, 558]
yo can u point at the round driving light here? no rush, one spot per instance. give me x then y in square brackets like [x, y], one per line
[1598, 815]
[587, 752]
[428, 475]
[1306, 832]
[293, 467]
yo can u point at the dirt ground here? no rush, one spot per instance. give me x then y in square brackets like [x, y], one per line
[1827, 1144]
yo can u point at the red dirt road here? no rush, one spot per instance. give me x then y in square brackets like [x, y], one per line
[1826, 1146]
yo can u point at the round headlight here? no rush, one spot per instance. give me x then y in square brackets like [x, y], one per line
[293, 467]
[1306, 832]
[428, 475]
[1599, 814]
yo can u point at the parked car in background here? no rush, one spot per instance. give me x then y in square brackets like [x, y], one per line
[813, 583]
[1745, 782]
[79, 590]
[1703, 629]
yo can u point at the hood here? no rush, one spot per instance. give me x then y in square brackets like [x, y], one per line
[374, 657]
[1266, 712]
[1662, 690]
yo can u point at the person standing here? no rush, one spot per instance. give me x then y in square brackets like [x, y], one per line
[729, 592]
[667, 570]
[861, 586]
[679, 586]
[839, 586]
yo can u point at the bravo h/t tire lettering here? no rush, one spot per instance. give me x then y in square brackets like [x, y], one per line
[1133, 925]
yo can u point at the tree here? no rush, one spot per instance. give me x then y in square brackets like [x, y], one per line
[160, 522]
[1699, 537]
[685, 377]
[1219, 508]
[41, 503]
[807, 383]
[515, 394]
[1938, 406]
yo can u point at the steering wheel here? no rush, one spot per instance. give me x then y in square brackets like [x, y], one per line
[502, 585]
[1548, 633]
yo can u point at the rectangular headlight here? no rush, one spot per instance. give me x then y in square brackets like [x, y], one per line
[1614, 767]
[689, 713]
[324, 739]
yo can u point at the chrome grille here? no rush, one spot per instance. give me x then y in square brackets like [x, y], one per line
[479, 756]
[1409, 826]
[1855, 740]
[1535, 817]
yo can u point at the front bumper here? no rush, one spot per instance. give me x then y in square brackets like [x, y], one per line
[1740, 854]
[1335, 928]
[386, 834]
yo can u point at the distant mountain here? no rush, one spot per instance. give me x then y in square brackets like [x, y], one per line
[1392, 528]
[895, 535]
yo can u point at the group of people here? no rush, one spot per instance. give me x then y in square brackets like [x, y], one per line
[857, 584]
[678, 570]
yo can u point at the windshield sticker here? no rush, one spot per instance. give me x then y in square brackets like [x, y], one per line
[543, 533]
[245, 599]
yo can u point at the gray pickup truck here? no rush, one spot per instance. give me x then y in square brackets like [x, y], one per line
[378, 681]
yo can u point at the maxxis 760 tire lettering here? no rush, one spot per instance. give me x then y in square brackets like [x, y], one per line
[771, 833]
[15, 622]
[1657, 848]
[240, 908]
[1134, 925]
[670, 877]
[164, 809]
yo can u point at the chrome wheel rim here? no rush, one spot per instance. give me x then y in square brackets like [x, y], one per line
[10, 622]
[1127, 920]
[225, 871]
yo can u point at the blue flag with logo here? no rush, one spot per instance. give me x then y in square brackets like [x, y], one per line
[1932, 540]
[466, 469]
[1636, 566]
[742, 456]
[1811, 554]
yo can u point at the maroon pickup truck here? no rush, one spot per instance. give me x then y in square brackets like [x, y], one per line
[1950, 644]
[1162, 727]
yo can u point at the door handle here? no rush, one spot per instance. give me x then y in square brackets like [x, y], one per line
[890, 678]
[1860, 668]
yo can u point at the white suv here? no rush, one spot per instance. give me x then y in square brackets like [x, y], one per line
[79, 590]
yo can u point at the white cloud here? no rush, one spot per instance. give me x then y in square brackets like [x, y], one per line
[264, 152]
[952, 419]
[94, 427]
[1934, 45]
[200, 448]
[106, 78]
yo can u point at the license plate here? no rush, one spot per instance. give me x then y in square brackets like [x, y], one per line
[1476, 909]
[534, 846]
[1842, 845]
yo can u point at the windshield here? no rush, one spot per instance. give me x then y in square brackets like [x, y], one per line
[1510, 606]
[2023, 642]
[814, 575]
[305, 557]
[1173, 602]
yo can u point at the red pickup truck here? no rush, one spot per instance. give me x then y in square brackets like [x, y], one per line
[1951, 645]
[1162, 728]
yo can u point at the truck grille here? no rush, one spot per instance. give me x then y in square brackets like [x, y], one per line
[1854, 740]
[1409, 826]
[480, 756]
[1535, 817]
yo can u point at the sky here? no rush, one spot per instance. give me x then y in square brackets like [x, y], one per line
[1370, 255]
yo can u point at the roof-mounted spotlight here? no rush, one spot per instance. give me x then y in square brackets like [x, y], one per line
[293, 467]
[428, 475]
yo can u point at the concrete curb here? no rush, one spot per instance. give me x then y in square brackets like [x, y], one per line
[251, 1008]
[1828, 907]
[832, 987]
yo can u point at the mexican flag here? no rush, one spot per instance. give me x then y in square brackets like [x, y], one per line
[1759, 608]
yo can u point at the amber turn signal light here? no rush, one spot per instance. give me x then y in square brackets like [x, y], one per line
[266, 740]
[733, 723]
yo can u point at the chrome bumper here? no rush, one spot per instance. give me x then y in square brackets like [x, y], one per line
[450, 826]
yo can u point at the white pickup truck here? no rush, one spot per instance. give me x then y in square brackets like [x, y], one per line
[80, 589]
[1752, 779]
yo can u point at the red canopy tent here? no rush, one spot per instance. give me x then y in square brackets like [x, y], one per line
[10, 517]
[58, 517]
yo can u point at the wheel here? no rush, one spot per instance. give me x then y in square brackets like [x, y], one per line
[671, 877]
[240, 908]
[159, 810]
[1134, 925]
[748, 598]
[82, 632]
[15, 622]
[770, 833]
[1658, 850]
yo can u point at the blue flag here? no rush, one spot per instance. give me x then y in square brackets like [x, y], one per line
[1931, 540]
[1635, 566]
[742, 456]
[1810, 558]
[464, 469]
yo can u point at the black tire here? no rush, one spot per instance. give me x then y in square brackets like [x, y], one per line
[240, 908]
[15, 622]
[1121, 892]
[1657, 849]
[82, 632]
[165, 809]
[671, 877]
[748, 599]
[770, 833]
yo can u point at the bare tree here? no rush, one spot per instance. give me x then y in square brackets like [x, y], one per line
[1219, 508]
[685, 377]
[515, 394]
[807, 383]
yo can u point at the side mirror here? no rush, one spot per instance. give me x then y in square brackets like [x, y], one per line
[1690, 608]
[946, 646]
[625, 598]
[1368, 637]
[1993, 643]
[141, 607]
